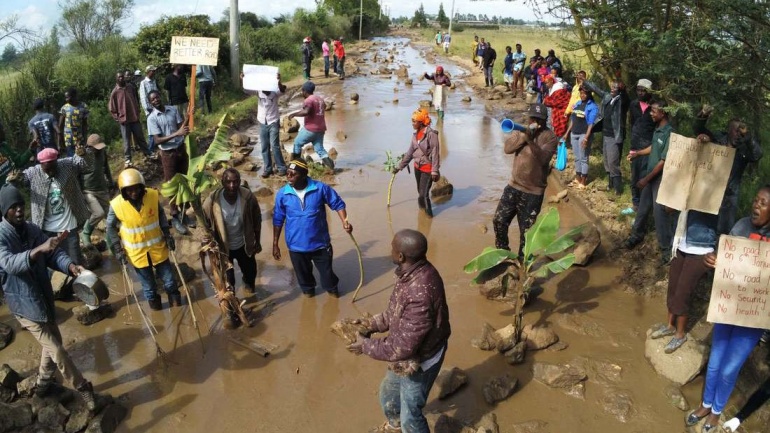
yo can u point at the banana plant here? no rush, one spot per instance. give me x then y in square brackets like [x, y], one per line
[390, 164]
[188, 188]
[540, 244]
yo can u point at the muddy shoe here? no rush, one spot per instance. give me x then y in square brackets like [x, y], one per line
[334, 293]
[662, 330]
[386, 428]
[175, 300]
[87, 392]
[308, 294]
[155, 303]
[674, 344]
[631, 243]
[44, 387]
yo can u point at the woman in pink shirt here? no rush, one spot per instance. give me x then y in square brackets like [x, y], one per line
[325, 50]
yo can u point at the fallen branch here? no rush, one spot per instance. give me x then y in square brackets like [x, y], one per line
[360, 268]
[261, 348]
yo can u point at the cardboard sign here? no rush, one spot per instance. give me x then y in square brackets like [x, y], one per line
[439, 97]
[192, 50]
[741, 291]
[695, 175]
[260, 77]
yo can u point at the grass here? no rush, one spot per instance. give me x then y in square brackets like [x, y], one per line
[8, 77]
[529, 38]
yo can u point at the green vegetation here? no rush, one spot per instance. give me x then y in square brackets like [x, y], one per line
[541, 244]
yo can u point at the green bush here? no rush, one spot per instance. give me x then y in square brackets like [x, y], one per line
[100, 121]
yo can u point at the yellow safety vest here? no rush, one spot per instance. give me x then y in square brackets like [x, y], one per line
[140, 231]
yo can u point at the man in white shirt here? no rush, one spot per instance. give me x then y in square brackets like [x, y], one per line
[269, 118]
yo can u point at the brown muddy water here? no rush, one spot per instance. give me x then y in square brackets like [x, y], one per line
[310, 382]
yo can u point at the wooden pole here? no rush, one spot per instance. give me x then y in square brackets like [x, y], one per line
[235, 24]
[191, 105]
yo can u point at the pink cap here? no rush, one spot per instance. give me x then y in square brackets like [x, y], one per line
[47, 155]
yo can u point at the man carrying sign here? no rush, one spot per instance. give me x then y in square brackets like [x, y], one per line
[269, 118]
[731, 345]
[748, 150]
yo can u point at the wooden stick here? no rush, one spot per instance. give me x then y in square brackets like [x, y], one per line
[190, 300]
[360, 268]
[390, 186]
[191, 105]
[150, 327]
[258, 347]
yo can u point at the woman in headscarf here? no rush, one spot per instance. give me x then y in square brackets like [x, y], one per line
[440, 79]
[424, 150]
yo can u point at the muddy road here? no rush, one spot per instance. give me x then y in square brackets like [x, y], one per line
[310, 382]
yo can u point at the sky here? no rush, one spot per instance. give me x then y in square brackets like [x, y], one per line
[41, 15]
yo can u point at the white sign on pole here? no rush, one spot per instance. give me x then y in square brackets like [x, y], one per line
[260, 77]
[192, 50]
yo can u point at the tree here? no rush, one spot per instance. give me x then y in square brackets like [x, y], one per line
[10, 54]
[419, 19]
[89, 22]
[442, 19]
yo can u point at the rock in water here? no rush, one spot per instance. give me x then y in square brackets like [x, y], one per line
[341, 136]
[92, 257]
[240, 139]
[679, 367]
[26, 386]
[466, 99]
[488, 424]
[442, 188]
[487, 340]
[676, 398]
[516, 355]
[283, 137]
[586, 244]
[107, 420]
[534, 426]
[558, 375]
[289, 125]
[539, 338]
[619, 404]
[53, 416]
[499, 388]
[425, 103]
[354, 97]
[9, 377]
[7, 395]
[16, 415]
[447, 424]
[408, 82]
[333, 152]
[87, 316]
[263, 191]
[449, 381]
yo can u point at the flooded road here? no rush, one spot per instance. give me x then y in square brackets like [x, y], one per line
[311, 383]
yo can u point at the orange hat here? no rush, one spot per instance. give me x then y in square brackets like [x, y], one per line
[421, 115]
[439, 69]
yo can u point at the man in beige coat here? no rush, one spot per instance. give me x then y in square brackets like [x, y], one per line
[234, 217]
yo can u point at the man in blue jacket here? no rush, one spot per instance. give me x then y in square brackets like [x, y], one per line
[301, 206]
[26, 253]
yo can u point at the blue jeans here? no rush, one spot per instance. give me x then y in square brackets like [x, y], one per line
[204, 94]
[730, 347]
[147, 278]
[305, 136]
[402, 398]
[581, 155]
[326, 66]
[268, 136]
[70, 245]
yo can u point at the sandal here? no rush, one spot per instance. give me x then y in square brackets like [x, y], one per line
[662, 330]
[674, 344]
[573, 182]
[693, 419]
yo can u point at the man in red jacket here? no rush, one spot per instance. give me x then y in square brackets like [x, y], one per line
[417, 322]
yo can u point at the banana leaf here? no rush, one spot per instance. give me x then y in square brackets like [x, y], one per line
[564, 241]
[489, 258]
[556, 266]
[541, 234]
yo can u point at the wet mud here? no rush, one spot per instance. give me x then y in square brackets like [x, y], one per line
[310, 382]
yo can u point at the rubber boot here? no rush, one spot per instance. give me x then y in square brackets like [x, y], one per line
[85, 234]
[617, 183]
[294, 156]
[328, 163]
[492, 82]
[441, 114]
[486, 82]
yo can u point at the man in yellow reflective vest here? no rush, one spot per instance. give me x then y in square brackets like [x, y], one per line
[137, 224]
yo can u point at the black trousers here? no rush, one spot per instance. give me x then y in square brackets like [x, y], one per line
[514, 203]
[247, 264]
[303, 268]
[638, 167]
[424, 182]
[665, 222]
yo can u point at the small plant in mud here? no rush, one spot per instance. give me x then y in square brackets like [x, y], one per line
[188, 188]
[541, 244]
[390, 165]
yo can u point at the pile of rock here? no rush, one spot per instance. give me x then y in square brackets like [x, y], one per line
[62, 411]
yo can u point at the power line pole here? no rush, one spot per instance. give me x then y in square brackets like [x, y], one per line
[361, 20]
[235, 24]
[451, 17]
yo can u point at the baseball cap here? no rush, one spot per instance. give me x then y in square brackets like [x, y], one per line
[137, 72]
[538, 111]
[150, 68]
[308, 87]
[647, 84]
[96, 141]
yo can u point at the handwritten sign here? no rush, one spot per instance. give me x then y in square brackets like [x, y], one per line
[192, 50]
[695, 175]
[741, 291]
[260, 77]
[439, 97]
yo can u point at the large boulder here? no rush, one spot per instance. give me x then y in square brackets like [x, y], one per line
[16, 415]
[450, 380]
[487, 340]
[8, 377]
[441, 188]
[289, 125]
[618, 403]
[6, 335]
[586, 244]
[679, 367]
[107, 420]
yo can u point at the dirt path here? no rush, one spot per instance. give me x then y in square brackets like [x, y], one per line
[310, 382]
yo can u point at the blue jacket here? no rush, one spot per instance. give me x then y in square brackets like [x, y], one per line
[26, 283]
[306, 228]
[702, 229]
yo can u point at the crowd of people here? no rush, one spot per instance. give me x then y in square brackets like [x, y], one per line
[70, 195]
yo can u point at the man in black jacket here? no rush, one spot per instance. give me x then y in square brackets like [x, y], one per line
[488, 63]
[642, 127]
